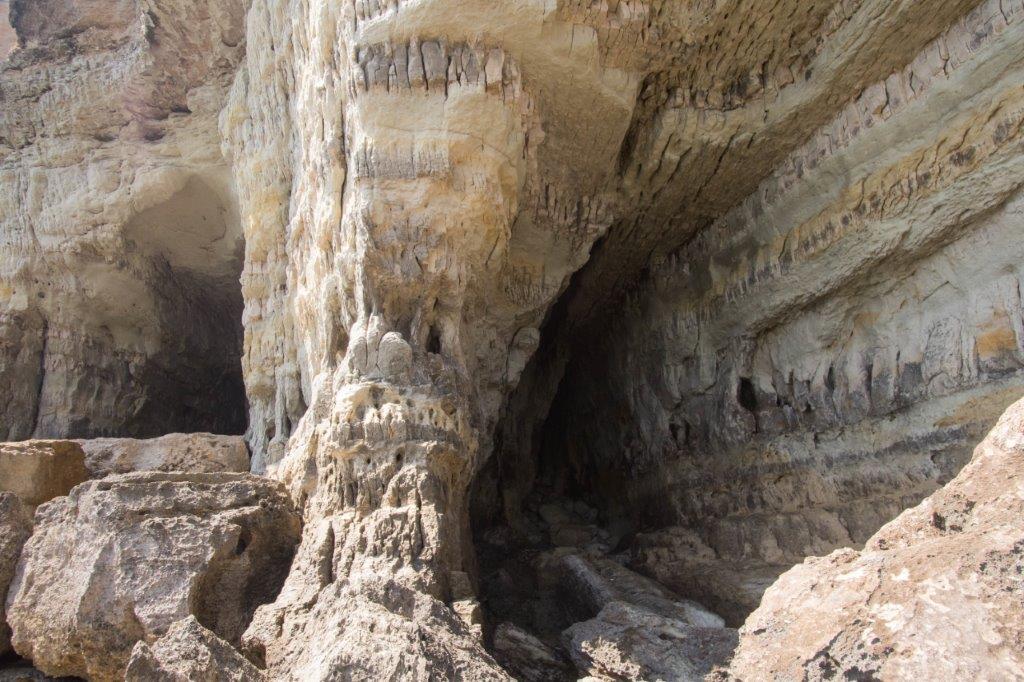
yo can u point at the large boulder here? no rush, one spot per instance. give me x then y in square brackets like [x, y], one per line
[15, 528]
[191, 452]
[119, 560]
[934, 595]
[40, 470]
[189, 652]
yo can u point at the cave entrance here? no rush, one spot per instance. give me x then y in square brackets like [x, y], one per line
[193, 249]
[150, 342]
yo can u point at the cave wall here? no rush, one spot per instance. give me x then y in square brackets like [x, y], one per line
[827, 352]
[120, 309]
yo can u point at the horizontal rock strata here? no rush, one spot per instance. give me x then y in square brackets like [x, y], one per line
[929, 596]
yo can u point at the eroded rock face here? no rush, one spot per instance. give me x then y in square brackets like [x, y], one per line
[120, 309]
[119, 560]
[39, 470]
[933, 595]
[824, 348]
[191, 452]
[189, 652]
[15, 528]
[803, 306]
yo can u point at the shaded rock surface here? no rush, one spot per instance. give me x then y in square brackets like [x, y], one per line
[189, 653]
[119, 560]
[191, 452]
[528, 658]
[630, 642]
[40, 470]
[15, 528]
[933, 595]
[741, 278]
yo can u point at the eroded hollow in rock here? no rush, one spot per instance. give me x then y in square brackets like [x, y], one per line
[154, 342]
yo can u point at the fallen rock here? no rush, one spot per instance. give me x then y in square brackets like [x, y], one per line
[119, 560]
[190, 452]
[15, 528]
[935, 594]
[528, 658]
[626, 641]
[189, 652]
[592, 582]
[40, 470]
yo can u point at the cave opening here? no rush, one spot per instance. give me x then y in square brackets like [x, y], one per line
[153, 344]
[195, 251]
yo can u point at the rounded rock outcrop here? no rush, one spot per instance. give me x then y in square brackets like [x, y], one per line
[119, 560]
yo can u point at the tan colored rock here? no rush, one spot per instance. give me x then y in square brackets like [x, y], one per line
[188, 653]
[119, 560]
[40, 470]
[15, 528]
[629, 642]
[934, 594]
[187, 452]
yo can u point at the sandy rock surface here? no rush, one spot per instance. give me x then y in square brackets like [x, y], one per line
[119, 560]
[188, 653]
[15, 528]
[933, 595]
[40, 470]
[189, 452]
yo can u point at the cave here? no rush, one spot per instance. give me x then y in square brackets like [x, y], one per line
[154, 342]
[639, 339]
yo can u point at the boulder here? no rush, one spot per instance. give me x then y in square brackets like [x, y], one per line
[119, 560]
[934, 595]
[526, 657]
[15, 528]
[626, 641]
[190, 452]
[591, 582]
[40, 470]
[189, 652]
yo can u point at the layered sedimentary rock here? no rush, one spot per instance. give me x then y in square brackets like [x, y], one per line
[822, 354]
[120, 246]
[743, 277]
[119, 560]
[931, 596]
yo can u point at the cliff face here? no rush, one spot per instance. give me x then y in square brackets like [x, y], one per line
[121, 243]
[709, 287]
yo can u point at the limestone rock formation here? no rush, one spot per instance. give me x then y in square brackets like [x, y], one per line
[188, 653]
[40, 470]
[119, 560]
[933, 595]
[15, 527]
[629, 642]
[191, 452]
[534, 309]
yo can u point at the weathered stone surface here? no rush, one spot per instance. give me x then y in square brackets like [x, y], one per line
[743, 280]
[526, 657]
[188, 653]
[188, 452]
[629, 642]
[933, 595]
[40, 470]
[15, 528]
[119, 560]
